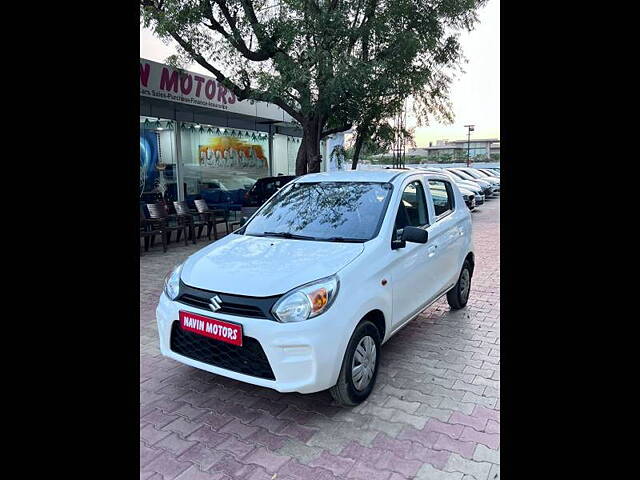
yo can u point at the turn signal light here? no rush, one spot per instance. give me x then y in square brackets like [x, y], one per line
[319, 299]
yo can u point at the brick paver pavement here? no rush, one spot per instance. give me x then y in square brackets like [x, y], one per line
[434, 413]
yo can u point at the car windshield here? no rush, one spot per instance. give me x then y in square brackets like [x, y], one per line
[463, 175]
[327, 211]
[484, 173]
[474, 174]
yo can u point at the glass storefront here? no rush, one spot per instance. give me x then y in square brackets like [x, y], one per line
[191, 148]
[157, 160]
[217, 164]
[221, 164]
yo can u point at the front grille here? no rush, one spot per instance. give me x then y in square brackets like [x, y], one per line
[254, 307]
[248, 359]
[228, 307]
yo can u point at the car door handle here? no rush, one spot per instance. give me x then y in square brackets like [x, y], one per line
[431, 251]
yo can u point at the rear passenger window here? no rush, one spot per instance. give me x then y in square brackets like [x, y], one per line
[413, 207]
[442, 196]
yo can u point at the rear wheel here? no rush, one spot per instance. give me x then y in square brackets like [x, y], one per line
[359, 366]
[458, 296]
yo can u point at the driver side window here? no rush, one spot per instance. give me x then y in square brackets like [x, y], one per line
[412, 210]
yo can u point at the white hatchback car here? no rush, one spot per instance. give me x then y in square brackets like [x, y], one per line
[303, 295]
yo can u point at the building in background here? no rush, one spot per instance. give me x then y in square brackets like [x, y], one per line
[195, 133]
[486, 149]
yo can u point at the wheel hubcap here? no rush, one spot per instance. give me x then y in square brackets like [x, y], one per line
[364, 363]
[465, 283]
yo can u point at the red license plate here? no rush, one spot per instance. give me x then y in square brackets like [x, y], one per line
[212, 328]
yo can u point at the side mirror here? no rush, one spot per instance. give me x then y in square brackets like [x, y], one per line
[415, 235]
[243, 220]
[410, 234]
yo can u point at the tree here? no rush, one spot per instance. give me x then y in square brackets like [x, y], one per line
[327, 63]
[428, 91]
[379, 140]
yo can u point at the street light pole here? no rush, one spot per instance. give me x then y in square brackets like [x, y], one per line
[469, 130]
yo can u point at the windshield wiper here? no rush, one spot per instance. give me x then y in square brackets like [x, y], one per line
[288, 235]
[343, 240]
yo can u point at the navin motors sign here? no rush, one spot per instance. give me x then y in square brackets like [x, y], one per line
[162, 82]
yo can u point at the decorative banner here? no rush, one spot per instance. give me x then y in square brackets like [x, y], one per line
[162, 82]
[232, 153]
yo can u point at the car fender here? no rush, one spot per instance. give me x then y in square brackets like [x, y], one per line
[377, 299]
[370, 284]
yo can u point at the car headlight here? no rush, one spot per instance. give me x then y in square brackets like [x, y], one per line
[307, 301]
[172, 282]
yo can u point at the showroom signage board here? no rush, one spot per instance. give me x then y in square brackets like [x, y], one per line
[165, 83]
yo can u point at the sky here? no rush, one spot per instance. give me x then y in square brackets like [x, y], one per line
[475, 94]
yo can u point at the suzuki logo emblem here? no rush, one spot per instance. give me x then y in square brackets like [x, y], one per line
[214, 303]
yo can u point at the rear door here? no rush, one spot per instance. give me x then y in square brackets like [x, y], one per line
[446, 232]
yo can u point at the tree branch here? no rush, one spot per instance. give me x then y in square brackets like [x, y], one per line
[331, 131]
[241, 93]
[234, 38]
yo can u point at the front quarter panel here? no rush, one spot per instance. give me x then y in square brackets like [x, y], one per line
[362, 288]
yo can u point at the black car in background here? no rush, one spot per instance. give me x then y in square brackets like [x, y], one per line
[264, 188]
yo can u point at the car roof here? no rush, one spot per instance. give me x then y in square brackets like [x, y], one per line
[383, 175]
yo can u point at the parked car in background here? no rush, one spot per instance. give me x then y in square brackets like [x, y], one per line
[264, 188]
[477, 174]
[487, 188]
[490, 172]
[466, 184]
[226, 191]
[469, 198]
[301, 298]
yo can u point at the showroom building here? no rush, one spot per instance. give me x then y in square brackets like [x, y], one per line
[194, 132]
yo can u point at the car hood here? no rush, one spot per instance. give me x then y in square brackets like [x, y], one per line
[265, 266]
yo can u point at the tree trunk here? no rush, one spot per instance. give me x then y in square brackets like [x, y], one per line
[308, 159]
[301, 158]
[356, 149]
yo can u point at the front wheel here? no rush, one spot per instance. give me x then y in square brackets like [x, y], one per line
[359, 366]
[459, 294]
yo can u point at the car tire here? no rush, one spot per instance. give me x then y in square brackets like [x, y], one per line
[458, 296]
[349, 392]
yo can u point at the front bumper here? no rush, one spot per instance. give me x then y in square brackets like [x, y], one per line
[305, 357]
